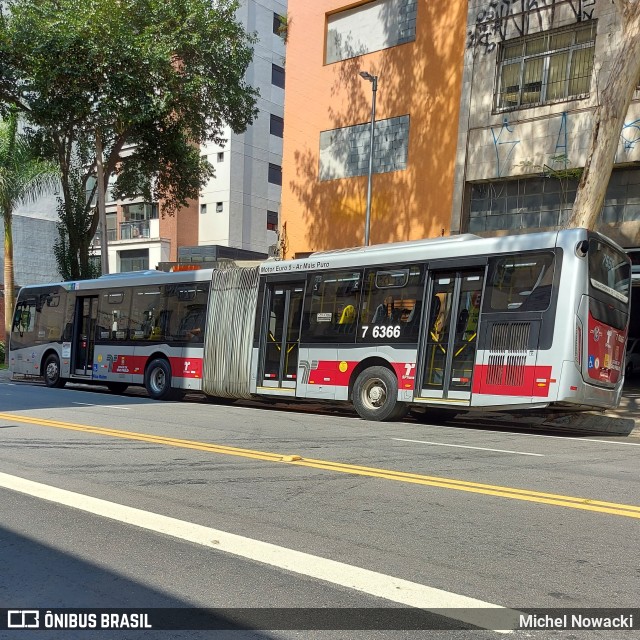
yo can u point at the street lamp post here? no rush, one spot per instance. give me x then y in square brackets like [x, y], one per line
[374, 88]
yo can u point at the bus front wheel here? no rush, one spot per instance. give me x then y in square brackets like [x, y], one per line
[375, 395]
[157, 380]
[51, 372]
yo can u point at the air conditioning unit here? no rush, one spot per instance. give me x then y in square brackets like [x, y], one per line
[274, 251]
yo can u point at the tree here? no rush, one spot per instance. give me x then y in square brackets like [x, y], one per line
[608, 119]
[24, 177]
[155, 77]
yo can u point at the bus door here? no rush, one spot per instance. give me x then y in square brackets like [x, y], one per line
[281, 337]
[451, 335]
[84, 334]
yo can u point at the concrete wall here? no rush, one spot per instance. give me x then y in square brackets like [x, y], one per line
[498, 145]
[420, 79]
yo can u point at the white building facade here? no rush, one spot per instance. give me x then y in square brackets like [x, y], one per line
[240, 205]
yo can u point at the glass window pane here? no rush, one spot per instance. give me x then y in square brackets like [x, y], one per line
[537, 45]
[146, 311]
[521, 283]
[510, 85]
[561, 40]
[512, 51]
[580, 74]
[331, 307]
[113, 315]
[391, 305]
[532, 80]
[556, 84]
[586, 33]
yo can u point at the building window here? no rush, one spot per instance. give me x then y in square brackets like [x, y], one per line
[278, 23]
[545, 67]
[276, 127]
[134, 260]
[275, 174]
[272, 220]
[220, 156]
[219, 207]
[140, 211]
[112, 229]
[277, 76]
[203, 208]
[369, 27]
[344, 153]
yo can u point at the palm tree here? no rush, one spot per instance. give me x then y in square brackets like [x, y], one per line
[24, 177]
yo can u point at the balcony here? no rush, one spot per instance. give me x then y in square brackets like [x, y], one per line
[135, 229]
[132, 230]
[111, 237]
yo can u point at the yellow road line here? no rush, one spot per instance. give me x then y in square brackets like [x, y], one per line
[585, 504]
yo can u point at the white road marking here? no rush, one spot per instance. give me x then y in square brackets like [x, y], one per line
[542, 435]
[463, 446]
[108, 406]
[394, 589]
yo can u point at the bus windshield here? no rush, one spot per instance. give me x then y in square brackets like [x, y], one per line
[609, 270]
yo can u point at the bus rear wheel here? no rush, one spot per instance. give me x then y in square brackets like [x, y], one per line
[117, 387]
[51, 372]
[375, 395]
[157, 380]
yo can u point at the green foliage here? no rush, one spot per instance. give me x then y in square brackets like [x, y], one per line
[563, 171]
[283, 29]
[163, 75]
[559, 168]
[2, 354]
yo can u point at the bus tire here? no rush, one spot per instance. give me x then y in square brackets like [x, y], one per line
[117, 387]
[157, 380]
[51, 372]
[375, 395]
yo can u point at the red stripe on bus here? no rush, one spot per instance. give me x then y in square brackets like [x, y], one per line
[338, 373]
[135, 365]
[532, 381]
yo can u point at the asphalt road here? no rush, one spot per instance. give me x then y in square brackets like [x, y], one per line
[510, 518]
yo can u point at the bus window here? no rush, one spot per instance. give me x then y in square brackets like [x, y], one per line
[147, 304]
[392, 304]
[113, 316]
[51, 309]
[24, 320]
[330, 313]
[609, 270]
[185, 313]
[520, 283]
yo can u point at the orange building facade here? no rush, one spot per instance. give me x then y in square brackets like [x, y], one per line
[415, 48]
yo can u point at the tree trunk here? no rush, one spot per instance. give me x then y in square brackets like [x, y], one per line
[8, 283]
[609, 117]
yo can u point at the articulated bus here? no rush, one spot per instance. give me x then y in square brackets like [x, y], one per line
[529, 321]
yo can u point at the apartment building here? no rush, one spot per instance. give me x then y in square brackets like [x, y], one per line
[532, 77]
[240, 205]
[415, 50]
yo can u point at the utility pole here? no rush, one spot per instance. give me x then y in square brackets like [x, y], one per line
[374, 87]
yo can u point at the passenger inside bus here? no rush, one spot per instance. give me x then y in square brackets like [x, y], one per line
[192, 325]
